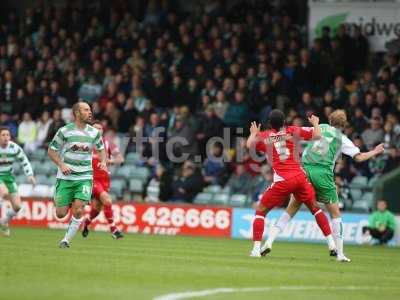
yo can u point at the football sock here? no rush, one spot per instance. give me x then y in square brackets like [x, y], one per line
[283, 221]
[72, 228]
[92, 215]
[322, 222]
[10, 214]
[108, 213]
[258, 226]
[337, 228]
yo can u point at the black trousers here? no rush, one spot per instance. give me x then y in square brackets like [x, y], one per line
[383, 236]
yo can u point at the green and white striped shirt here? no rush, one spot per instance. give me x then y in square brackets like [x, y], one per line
[13, 152]
[75, 147]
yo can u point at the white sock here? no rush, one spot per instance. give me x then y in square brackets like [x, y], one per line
[273, 233]
[257, 244]
[331, 242]
[276, 229]
[9, 215]
[72, 228]
[283, 220]
[337, 228]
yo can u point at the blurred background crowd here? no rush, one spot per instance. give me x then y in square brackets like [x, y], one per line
[221, 65]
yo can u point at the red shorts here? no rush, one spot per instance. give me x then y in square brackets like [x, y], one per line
[100, 185]
[279, 192]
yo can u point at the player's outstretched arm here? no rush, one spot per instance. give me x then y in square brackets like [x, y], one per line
[363, 156]
[314, 120]
[254, 130]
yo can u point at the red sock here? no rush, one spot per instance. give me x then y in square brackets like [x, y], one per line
[258, 226]
[92, 215]
[323, 222]
[108, 213]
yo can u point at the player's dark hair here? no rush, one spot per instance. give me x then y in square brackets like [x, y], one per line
[96, 121]
[276, 119]
[2, 128]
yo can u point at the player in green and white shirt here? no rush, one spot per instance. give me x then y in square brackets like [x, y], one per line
[71, 150]
[318, 161]
[9, 153]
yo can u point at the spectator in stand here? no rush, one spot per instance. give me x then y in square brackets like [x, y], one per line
[381, 224]
[159, 187]
[237, 113]
[374, 134]
[214, 167]
[43, 126]
[56, 124]
[6, 121]
[187, 185]
[240, 181]
[27, 133]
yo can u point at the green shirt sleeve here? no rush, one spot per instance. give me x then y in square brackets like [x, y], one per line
[24, 161]
[372, 220]
[58, 141]
[98, 142]
[391, 221]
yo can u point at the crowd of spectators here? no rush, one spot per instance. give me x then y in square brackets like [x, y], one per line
[193, 74]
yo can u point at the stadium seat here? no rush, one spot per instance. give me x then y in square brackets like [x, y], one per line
[132, 158]
[238, 200]
[359, 182]
[42, 179]
[203, 198]
[123, 172]
[361, 206]
[368, 197]
[20, 179]
[142, 173]
[43, 168]
[136, 185]
[153, 192]
[213, 189]
[356, 194]
[372, 181]
[38, 155]
[221, 199]
[117, 187]
[17, 169]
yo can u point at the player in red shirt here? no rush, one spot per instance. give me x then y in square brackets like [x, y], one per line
[101, 187]
[280, 144]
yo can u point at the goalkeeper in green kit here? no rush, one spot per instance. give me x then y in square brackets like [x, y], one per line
[318, 161]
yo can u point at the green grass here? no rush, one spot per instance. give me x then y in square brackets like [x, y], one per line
[143, 267]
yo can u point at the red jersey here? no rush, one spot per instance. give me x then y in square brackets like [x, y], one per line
[283, 150]
[111, 150]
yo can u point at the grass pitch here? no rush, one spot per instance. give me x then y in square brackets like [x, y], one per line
[145, 267]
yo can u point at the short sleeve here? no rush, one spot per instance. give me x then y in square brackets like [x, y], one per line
[98, 142]
[348, 147]
[58, 141]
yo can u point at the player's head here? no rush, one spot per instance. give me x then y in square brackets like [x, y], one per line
[5, 136]
[276, 119]
[97, 124]
[338, 119]
[82, 112]
[381, 205]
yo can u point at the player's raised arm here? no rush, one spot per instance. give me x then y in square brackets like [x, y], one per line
[254, 131]
[314, 120]
[363, 156]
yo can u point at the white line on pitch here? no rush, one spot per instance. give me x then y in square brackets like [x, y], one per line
[209, 292]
